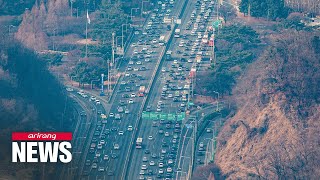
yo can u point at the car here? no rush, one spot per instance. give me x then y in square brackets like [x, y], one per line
[160, 131]
[161, 171]
[130, 101]
[151, 163]
[116, 146]
[160, 165]
[150, 137]
[174, 141]
[169, 169]
[120, 109]
[208, 130]
[101, 169]
[94, 166]
[106, 157]
[98, 154]
[141, 177]
[130, 128]
[133, 95]
[138, 62]
[111, 115]
[144, 167]
[118, 117]
[141, 172]
[145, 159]
[110, 173]
[158, 109]
[147, 151]
[120, 133]
[102, 141]
[126, 111]
[166, 134]
[163, 151]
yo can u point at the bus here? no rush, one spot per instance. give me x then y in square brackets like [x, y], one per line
[139, 143]
[168, 55]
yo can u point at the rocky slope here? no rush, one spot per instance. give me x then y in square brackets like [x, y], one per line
[275, 132]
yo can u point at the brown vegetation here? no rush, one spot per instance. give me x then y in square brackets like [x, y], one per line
[274, 134]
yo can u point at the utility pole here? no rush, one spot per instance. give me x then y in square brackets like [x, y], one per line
[113, 48]
[86, 39]
[71, 1]
[108, 66]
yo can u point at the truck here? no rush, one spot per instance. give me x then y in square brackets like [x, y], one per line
[177, 33]
[162, 40]
[139, 143]
[142, 91]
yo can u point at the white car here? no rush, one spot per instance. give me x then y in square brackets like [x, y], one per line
[131, 62]
[138, 62]
[133, 95]
[169, 169]
[160, 165]
[127, 74]
[166, 134]
[130, 101]
[130, 128]
[151, 163]
[94, 166]
[101, 169]
[150, 137]
[111, 115]
[106, 157]
[144, 167]
[120, 133]
[163, 151]
[126, 111]
[144, 159]
[161, 171]
[116, 146]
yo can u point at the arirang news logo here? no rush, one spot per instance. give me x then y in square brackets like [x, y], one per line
[41, 147]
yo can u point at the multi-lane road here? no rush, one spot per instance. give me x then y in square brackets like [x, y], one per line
[104, 142]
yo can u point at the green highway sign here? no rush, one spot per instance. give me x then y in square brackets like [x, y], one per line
[163, 116]
[153, 116]
[145, 115]
[216, 23]
[171, 117]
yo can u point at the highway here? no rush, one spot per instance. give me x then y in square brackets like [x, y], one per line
[104, 143]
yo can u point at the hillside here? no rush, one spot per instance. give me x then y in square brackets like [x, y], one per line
[31, 99]
[274, 133]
